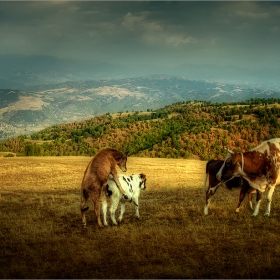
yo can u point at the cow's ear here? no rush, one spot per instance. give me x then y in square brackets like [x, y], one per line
[125, 154]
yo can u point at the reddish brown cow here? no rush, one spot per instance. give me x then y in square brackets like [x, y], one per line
[212, 168]
[96, 177]
[260, 167]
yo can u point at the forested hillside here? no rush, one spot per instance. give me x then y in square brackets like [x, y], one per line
[182, 130]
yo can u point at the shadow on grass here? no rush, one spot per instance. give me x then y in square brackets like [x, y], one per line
[42, 237]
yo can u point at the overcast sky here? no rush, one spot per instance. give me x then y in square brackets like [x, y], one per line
[243, 34]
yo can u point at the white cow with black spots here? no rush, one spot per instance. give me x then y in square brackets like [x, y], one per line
[132, 185]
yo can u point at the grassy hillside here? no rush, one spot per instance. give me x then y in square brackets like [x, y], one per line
[198, 130]
[42, 236]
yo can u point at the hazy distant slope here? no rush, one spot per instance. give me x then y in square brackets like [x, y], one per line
[24, 112]
[20, 72]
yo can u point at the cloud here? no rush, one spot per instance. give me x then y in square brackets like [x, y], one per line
[156, 33]
[132, 22]
[152, 31]
[164, 38]
[252, 15]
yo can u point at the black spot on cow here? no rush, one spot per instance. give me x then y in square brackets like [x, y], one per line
[131, 178]
[109, 192]
[125, 181]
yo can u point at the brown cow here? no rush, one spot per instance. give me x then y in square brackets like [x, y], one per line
[260, 167]
[212, 168]
[96, 177]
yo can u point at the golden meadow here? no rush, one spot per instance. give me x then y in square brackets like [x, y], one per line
[42, 235]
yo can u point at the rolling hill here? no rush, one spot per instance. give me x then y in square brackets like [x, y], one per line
[29, 111]
[199, 130]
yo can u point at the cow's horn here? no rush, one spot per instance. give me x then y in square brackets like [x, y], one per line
[228, 150]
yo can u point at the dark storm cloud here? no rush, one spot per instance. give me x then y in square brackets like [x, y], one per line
[237, 33]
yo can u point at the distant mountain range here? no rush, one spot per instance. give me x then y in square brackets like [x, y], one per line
[39, 91]
[25, 112]
[21, 72]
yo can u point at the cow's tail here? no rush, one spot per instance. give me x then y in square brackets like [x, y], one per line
[84, 199]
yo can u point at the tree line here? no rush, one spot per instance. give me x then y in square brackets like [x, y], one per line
[195, 129]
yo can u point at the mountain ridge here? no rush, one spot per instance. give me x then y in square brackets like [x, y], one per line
[20, 72]
[25, 112]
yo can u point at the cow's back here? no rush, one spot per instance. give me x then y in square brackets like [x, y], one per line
[273, 145]
[98, 169]
[271, 151]
[112, 186]
[213, 165]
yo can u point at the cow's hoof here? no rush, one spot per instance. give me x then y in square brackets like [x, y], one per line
[237, 210]
[266, 215]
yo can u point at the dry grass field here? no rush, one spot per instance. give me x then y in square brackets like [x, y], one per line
[42, 236]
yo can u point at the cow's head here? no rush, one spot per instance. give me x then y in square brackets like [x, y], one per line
[121, 161]
[143, 179]
[231, 167]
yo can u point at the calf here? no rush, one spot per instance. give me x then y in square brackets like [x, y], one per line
[96, 176]
[212, 168]
[132, 186]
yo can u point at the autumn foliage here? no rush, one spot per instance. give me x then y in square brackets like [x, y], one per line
[199, 130]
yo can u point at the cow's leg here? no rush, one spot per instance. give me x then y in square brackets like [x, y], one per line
[270, 192]
[136, 206]
[104, 205]
[95, 194]
[113, 208]
[84, 199]
[211, 191]
[209, 195]
[115, 176]
[250, 199]
[242, 195]
[122, 211]
[257, 207]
